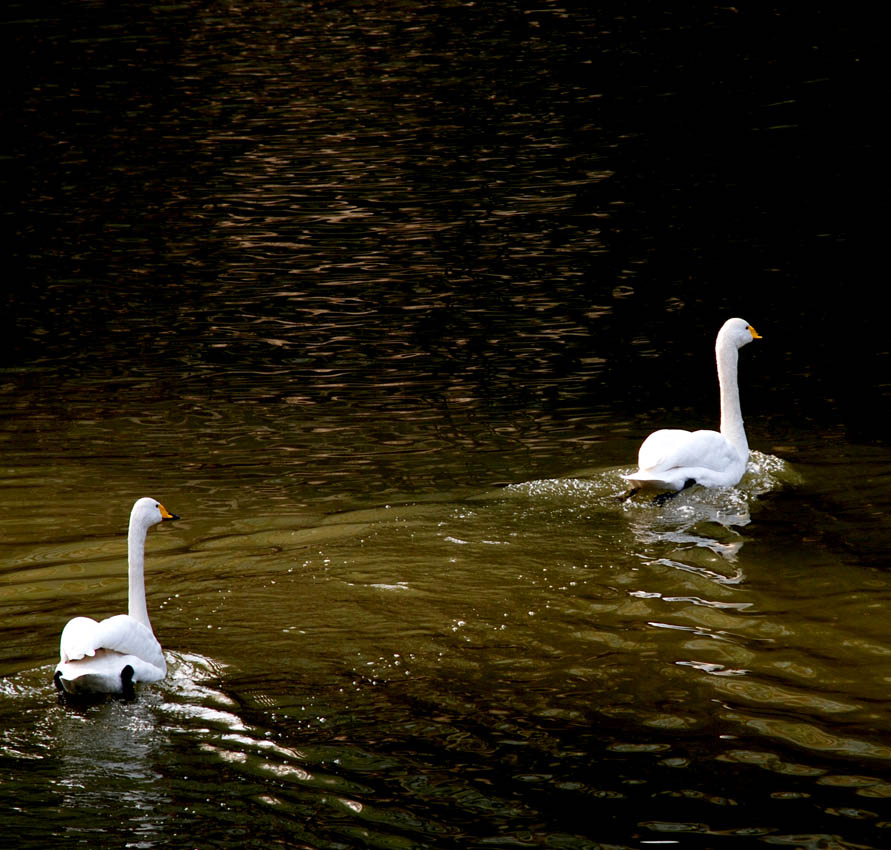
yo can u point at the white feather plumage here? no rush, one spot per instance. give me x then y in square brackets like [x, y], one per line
[110, 656]
[672, 459]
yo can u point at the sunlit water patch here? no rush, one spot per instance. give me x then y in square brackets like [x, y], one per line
[455, 672]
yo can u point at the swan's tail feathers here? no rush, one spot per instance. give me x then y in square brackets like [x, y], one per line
[87, 686]
[651, 481]
[108, 673]
[87, 683]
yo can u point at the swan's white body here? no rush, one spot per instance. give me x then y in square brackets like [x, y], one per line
[110, 656]
[674, 459]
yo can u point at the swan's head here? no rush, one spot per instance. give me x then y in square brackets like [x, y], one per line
[148, 512]
[737, 333]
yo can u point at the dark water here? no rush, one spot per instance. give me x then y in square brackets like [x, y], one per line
[381, 298]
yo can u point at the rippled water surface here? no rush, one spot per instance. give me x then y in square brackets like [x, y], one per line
[381, 299]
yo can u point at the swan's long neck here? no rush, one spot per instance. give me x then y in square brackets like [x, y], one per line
[136, 572]
[732, 426]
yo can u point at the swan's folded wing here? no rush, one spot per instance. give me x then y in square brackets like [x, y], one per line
[673, 449]
[125, 635]
[79, 639]
[83, 637]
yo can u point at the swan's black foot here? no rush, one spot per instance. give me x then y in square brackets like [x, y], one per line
[662, 498]
[626, 496]
[62, 695]
[127, 688]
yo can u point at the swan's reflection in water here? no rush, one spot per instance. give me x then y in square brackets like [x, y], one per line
[114, 755]
[689, 602]
[108, 754]
[706, 520]
[707, 547]
[140, 769]
[697, 532]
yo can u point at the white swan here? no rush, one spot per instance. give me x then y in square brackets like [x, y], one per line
[674, 460]
[111, 656]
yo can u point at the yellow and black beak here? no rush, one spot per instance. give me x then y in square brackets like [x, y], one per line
[165, 514]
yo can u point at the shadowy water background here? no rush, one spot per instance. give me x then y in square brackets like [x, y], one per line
[381, 298]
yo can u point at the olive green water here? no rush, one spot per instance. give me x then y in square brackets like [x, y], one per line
[381, 302]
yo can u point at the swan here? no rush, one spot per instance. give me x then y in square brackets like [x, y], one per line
[672, 459]
[109, 657]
